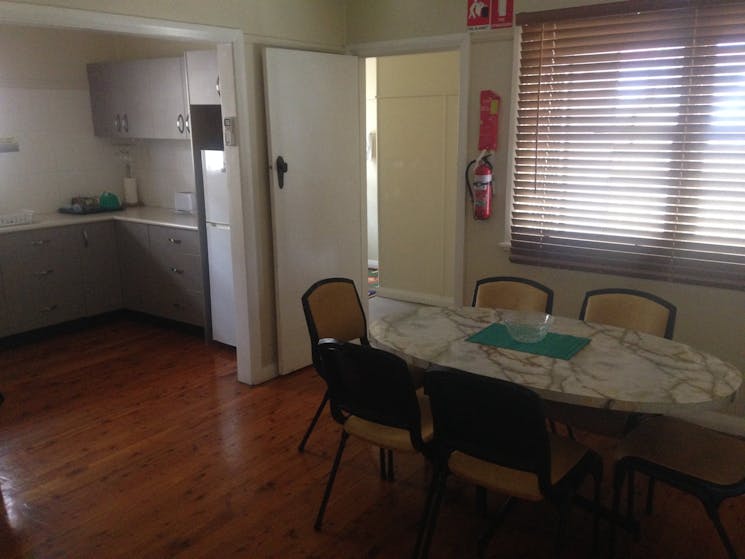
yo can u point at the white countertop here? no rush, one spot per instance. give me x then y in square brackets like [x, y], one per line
[144, 214]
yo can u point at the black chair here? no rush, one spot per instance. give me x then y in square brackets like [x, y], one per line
[492, 433]
[373, 398]
[514, 293]
[332, 309]
[693, 459]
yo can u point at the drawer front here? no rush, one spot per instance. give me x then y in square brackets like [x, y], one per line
[178, 272]
[34, 308]
[168, 240]
[183, 306]
[53, 242]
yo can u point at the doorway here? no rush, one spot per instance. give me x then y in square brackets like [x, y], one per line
[412, 143]
[244, 251]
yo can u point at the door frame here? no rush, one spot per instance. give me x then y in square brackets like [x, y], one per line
[462, 43]
[245, 243]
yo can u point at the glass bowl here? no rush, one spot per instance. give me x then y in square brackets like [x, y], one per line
[528, 327]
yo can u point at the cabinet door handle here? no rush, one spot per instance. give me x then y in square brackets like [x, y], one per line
[117, 123]
[180, 124]
[217, 87]
[174, 241]
[40, 242]
[188, 126]
[178, 306]
[125, 123]
[85, 238]
[43, 273]
[50, 308]
[177, 271]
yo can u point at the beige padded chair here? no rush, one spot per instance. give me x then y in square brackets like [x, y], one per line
[625, 308]
[631, 309]
[332, 309]
[693, 459]
[513, 293]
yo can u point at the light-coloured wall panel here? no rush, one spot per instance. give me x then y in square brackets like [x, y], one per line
[417, 140]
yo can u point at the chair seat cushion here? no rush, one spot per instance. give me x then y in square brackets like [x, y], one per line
[393, 438]
[565, 454]
[692, 450]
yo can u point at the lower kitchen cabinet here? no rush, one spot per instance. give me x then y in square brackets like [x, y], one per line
[161, 271]
[41, 277]
[102, 289]
[57, 274]
[175, 276]
[133, 244]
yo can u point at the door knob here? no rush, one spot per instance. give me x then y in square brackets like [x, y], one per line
[281, 170]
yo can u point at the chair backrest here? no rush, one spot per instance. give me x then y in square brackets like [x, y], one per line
[333, 309]
[519, 294]
[491, 419]
[630, 308]
[371, 384]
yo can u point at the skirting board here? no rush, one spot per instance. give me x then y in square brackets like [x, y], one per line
[413, 297]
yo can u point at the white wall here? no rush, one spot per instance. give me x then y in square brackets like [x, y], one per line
[45, 106]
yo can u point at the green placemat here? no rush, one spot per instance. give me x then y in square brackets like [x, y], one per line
[560, 346]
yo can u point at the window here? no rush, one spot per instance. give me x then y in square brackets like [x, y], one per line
[630, 147]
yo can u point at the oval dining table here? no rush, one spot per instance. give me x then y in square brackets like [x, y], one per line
[618, 369]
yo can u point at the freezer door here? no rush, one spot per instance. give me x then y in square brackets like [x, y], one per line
[221, 283]
[215, 178]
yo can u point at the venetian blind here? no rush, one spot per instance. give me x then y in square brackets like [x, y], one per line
[630, 148]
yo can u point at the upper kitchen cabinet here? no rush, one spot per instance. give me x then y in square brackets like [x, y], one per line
[202, 77]
[139, 99]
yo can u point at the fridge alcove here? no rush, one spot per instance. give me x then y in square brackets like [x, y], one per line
[213, 205]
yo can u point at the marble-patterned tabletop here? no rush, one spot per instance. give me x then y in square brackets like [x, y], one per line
[619, 369]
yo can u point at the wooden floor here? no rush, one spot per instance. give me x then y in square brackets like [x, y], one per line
[133, 440]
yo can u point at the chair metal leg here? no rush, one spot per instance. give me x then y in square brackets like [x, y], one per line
[597, 475]
[313, 421]
[630, 497]
[481, 504]
[432, 521]
[391, 476]
[650, 495]
[618, 478]
[495, 523]
[712, 509]
[424, 522]
[330, 483]
[564, 507]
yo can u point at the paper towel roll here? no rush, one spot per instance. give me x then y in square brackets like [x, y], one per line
[130, 192]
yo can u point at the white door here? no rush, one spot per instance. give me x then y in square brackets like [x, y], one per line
[313, 119]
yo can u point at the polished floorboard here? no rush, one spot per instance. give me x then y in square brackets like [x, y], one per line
[134, 440]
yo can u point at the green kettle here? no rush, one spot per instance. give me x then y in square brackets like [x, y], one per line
[109, 201]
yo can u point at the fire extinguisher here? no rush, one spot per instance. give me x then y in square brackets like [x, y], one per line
[480, 189]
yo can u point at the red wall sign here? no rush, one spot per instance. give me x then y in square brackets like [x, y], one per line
[489, 14]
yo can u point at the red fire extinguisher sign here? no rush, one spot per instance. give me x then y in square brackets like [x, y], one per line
[489, 120]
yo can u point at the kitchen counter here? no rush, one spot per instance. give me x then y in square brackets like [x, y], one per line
[144, 214]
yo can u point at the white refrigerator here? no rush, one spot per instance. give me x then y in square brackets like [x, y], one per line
[217, 218]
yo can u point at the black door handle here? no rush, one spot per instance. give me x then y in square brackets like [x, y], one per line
[281, 170]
